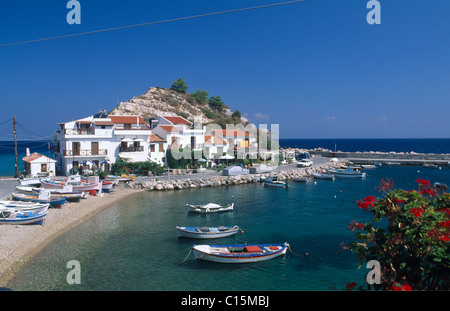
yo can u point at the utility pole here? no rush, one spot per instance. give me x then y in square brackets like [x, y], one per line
[15, 149]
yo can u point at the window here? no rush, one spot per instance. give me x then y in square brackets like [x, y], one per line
[43, 167]
[152, 148]
[161, 148]
[127, 126]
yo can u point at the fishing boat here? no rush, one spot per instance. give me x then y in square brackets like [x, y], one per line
[107, 186]
[324, 176]
[430, 165]
[239, 253]
[24, 189]
[54, 202]
[368, 166]
[348, 172]
[19, 206]
[30, 181]
[273, 181]
[71, 196]
[22, 218]
[73, 181]
[207, 232]
[390, 163]
[210, 208]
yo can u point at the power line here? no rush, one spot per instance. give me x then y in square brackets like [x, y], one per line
[154, 23]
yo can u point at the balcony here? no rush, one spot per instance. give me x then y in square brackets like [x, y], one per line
[86, 152]
[131, 149]
[79, 132]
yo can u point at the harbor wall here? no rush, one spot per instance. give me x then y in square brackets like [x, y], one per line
[411, 158]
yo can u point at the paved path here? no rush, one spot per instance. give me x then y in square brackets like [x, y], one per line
[7, 186]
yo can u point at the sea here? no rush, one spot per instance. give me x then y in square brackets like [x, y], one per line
[133, 245]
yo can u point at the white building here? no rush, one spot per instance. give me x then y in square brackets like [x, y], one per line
[100, 139]
[37, 165]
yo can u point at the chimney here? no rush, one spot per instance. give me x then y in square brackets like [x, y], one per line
[28, 152]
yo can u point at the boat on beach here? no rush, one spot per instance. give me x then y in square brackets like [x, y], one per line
[21, 218]
[324, 176]
[71, 196]
[73, 181]
[54, 202]
[30, 181]
[273, 181]
[20, 206]
[210, 208]
[207, 232]
[239, 253]
[348, 172]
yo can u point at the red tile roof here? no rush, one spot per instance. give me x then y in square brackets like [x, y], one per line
[156, 139]
[177, 120]
[217, 140]
[169, 128]
[32, 157]
[231, 133]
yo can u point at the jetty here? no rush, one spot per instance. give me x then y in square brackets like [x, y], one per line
[370, 157]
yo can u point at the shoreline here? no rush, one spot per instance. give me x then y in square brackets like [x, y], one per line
[17, 249]
[19, 244]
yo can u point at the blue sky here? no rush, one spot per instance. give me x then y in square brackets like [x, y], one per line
[317, 68]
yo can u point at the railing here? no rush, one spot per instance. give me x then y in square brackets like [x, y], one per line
[79, 132]
[85, 152]
[131, 149]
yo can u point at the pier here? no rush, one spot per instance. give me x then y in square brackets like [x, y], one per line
[403, 158]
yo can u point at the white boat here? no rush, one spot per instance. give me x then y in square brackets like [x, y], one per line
[73, 182]
[71, 196]
[304, 163]
[323, 176]
[30, 181]
[22, 218]
[207, 232]
[239, 253]
[368, 166]
[273, 181]
[392, 163]
[348, 172]
[210, 208]
[19, 206]
[25, 189]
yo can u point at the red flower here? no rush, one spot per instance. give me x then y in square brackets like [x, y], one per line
[350, 286]
[423, 182]
[405, 287]
[416, 211]
[355, 226]
[397, 201]
[370, 198]
[445, 224]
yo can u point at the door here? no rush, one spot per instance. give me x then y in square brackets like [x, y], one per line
[76, 149]
[94, 148]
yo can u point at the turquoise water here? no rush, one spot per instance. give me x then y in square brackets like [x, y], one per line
[133, 245]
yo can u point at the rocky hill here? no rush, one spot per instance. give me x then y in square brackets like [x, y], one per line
[159, 101]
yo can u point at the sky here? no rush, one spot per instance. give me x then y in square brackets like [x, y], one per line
[316, 68]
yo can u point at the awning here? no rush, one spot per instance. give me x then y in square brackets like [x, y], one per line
[227, 157]
[139, 139]
[126, 140]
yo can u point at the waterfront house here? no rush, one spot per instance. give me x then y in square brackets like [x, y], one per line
[100, 140]
[38, 165]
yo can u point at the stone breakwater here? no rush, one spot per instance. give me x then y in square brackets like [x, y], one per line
[218, 181]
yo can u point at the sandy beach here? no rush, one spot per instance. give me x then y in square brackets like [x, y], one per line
[18, 244]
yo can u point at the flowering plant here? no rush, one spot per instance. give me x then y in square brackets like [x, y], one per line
[408, 235]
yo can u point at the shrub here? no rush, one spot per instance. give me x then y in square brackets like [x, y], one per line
[408, 235]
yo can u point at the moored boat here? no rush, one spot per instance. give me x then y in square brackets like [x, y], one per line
[273, 181]
[22, 218]
[324, 176]
[348, 172]
[54, 202]
[210, 208]
[242, 253]
[207, 232]
[30, 181]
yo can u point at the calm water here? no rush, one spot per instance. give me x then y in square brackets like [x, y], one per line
[133, 245]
